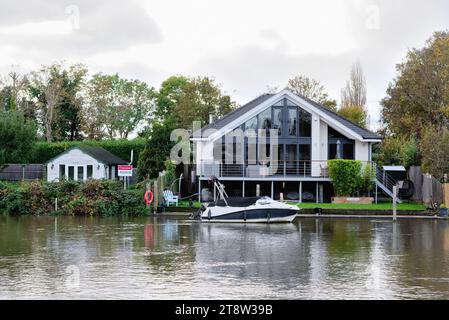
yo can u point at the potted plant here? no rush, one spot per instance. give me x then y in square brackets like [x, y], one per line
[443, 211]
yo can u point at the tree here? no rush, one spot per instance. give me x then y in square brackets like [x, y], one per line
[355, 114]
[157, 150]
[168, 96]
[56, 91]
[117, 106]
[397, 150]
[434, 147]
[311, 89]
[200, 98]
[419, 96]
[353, 97]
[17, 137]
[45, 89]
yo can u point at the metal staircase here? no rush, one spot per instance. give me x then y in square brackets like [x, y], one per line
[385, 182]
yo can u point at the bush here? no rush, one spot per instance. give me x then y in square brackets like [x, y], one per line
[45, 151]
[398, 151]
[345, 175]
[95, 198]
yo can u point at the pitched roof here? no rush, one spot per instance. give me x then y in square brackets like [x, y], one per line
[233, 115]
[97, 153]
[364, 133]
[220, 123]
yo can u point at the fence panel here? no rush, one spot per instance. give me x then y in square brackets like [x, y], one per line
[22, 172]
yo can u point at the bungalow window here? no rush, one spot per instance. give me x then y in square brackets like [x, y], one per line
[305, 123]
[90, 170]
[62, 172]
[80, 173]
[71, 173]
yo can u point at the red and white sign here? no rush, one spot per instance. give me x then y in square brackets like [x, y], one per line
[125, 171]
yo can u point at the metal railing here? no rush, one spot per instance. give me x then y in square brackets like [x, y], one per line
[285, 168]
[385, 179]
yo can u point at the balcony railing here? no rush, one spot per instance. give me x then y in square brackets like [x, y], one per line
[269, 169]
[287, 169]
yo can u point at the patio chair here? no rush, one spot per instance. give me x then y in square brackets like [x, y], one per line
[170, 197]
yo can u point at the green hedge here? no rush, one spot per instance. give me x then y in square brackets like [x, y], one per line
[346, 176]
[94, 198]
[45, 151]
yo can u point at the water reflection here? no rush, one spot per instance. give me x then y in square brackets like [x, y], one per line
[167, 258]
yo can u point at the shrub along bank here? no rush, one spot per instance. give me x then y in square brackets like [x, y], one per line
[95, 198]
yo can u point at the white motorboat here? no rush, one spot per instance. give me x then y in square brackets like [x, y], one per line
[244, 210]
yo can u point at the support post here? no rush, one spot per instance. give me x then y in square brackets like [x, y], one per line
[395, 200]
[243, 188]
[316, 193]
[300, 191]
[156, 196]
[257, 190]
[272, 190]
[199, 190]
[375, 194]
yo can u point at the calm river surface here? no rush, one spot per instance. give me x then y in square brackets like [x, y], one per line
[156, 258]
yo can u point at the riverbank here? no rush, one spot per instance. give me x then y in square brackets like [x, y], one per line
[91, 198]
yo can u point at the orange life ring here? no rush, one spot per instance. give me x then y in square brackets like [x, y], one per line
[150, 200]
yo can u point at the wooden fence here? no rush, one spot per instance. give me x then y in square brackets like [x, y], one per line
[23, 172]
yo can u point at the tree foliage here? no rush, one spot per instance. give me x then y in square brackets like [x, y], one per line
[434, 148]
[398, 150]
[419, 96]
[55, 90]
[311, 89]
[116, 106]
[17, 137]
[353, 97]
[157, 150]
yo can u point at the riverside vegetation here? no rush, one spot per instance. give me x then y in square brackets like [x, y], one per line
[94, 198]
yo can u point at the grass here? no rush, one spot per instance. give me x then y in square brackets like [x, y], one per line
[379, 207]
[386, 206]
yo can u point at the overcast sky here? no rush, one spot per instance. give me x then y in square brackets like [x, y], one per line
[246, 45]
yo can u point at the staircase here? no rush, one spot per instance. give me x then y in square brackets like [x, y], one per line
[385, 182]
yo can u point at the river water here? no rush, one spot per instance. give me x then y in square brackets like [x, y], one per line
[161, 258]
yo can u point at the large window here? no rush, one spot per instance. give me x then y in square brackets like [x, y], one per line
[265, 121]
[251, 125]
[292, 122]
[305, 123]
[304, 152]
[277, 120]
[340, 147]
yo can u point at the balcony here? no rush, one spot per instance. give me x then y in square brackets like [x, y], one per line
[277, 169]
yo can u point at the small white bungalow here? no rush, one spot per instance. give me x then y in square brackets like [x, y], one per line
[82, 163]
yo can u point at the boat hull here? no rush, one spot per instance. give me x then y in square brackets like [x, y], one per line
[249, 215]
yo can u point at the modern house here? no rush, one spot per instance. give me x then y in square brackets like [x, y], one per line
[279, 143]
[83, 163]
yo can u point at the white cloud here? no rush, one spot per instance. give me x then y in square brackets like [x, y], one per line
[247, 45]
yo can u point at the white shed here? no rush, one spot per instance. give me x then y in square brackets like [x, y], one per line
[82, 163]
